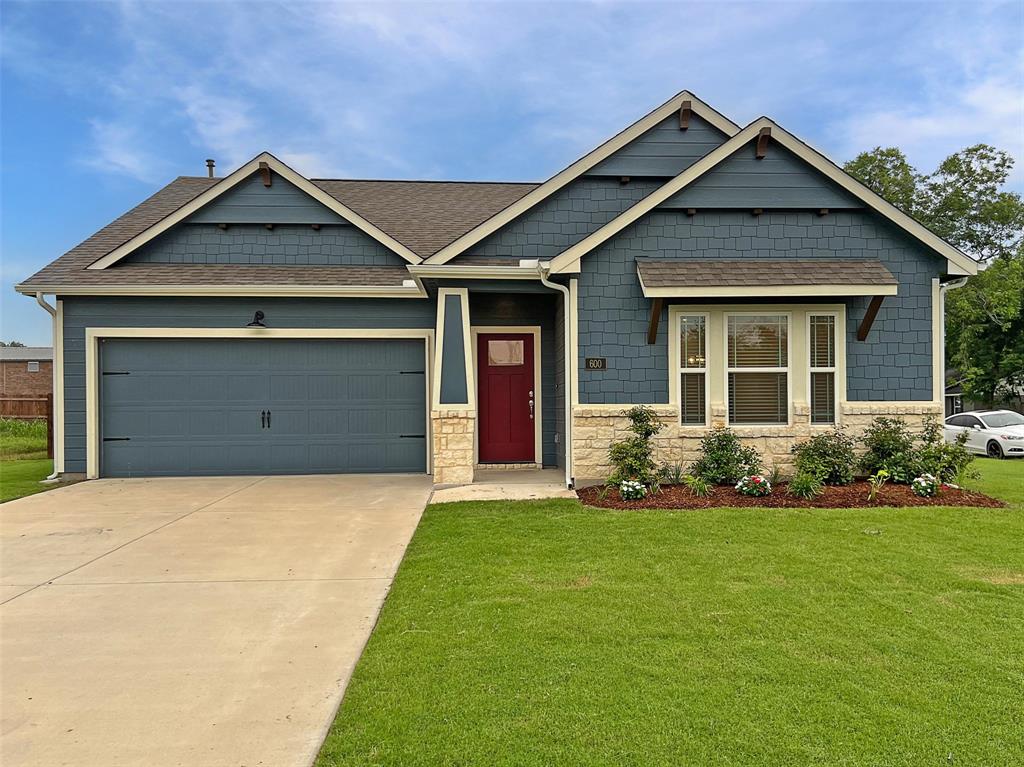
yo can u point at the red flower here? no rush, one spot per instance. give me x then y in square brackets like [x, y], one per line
[757, 480]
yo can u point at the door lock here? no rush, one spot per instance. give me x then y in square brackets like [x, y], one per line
[531, 405]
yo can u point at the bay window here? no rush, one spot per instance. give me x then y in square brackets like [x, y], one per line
[757, 368]
[693, 369]
[821, 346]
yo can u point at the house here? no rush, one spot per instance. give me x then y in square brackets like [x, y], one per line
[26, 380]
[265, 322]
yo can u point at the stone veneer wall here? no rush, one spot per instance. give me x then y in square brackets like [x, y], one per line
[595, 428]
[453, 438]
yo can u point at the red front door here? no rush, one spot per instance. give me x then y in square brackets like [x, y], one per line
[507, 400]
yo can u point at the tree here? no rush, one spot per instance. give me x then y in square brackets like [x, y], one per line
[12, 343]
[963, 202]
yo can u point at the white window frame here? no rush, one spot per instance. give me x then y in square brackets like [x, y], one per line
[834, 369]
[788, 370]
[676, 364]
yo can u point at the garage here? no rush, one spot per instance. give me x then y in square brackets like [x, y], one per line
[219, 406]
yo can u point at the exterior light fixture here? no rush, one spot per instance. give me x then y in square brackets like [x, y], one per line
[257, 320]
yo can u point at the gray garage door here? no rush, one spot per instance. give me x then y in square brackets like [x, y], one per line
[171, 407]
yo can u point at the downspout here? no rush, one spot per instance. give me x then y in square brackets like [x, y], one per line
[943, 287]
[54, 368]
[570, 366]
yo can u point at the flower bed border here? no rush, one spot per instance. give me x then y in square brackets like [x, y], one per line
[850, 496]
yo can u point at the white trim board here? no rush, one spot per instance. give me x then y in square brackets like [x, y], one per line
[413, 290]
[233, 179]
[435, 403]
[581, 166]
[957, 262]
[93, 335]
[534, 330]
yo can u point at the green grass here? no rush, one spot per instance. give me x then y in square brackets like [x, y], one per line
[544, 633]
[21, 478]
[23, 460]
[22, 439]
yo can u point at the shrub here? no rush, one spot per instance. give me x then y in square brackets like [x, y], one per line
[805, 486]
[633, 457]
[699, 486]
[926, 486]
[671, 474]
[946, 461]
[889, 447]
[632, 491]
[755, 485]
[828, 456]
[775, 476]
[724, 460]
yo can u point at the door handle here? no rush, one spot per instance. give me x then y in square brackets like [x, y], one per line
[263, 419]
[268, 419]
[531, 405]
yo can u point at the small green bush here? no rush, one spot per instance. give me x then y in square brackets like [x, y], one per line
[671, 474]
[828, 456]
[944, 460]
[699, 486]
[805, 486]
[889, 447]
[633, 458]
[724, 461]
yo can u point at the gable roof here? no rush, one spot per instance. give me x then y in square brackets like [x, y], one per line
[958, 262]
[229, 182]
[581, 166]
[422, 215]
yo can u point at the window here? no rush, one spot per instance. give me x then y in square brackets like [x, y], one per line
[693, 369]
[821, 346]
[757, 367]
[33, 367]
[502, 353]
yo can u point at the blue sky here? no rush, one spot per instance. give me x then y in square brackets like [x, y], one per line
[103, 103]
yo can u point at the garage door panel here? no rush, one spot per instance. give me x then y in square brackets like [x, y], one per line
[337, 405]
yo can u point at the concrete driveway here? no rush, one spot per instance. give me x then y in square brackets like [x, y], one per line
[191, 621]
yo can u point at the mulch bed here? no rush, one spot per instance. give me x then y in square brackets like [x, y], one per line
[834, 497]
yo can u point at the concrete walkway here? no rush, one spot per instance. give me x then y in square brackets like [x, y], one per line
[191, 621]
[508, 485]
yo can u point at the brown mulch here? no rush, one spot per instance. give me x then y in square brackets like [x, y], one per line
[834, 497]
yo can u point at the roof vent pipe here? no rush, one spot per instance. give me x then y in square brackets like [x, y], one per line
[209, 167]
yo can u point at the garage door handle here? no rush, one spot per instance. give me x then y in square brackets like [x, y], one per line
[268, 419]
[263, 419]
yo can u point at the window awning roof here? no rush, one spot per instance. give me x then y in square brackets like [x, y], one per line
[762, 277]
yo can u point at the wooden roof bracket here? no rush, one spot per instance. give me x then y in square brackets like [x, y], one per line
[685, 110]
[652, 325]
[762, 142]
[869, 318]
[265, 172]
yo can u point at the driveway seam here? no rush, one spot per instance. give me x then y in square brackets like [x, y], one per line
[50, 581]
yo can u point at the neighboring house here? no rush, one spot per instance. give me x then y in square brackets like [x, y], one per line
[269, 323]
[26, 371]
[958, 402]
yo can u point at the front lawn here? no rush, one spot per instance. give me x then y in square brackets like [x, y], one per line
[540, 633]
[23, 460]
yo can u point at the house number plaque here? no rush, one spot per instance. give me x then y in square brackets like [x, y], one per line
[597, 363]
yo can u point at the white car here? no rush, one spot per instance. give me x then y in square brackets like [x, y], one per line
[995, 433]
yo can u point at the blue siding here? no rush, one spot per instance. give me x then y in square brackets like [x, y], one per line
[893, 364]
[454, 387]
[564, 218]
[249, 202]
[80, 313]
[255, 244]
[663, 151]
[780, 180]
[530, 309]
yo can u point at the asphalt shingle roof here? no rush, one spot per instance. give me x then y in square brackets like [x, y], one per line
[423, 215]
[762, 272]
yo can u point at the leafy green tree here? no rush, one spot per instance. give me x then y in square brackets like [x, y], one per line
[963, 201]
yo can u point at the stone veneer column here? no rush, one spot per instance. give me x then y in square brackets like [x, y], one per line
[453, 438]
[595, 428]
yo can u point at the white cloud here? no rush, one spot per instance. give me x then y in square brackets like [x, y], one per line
[119, 148]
